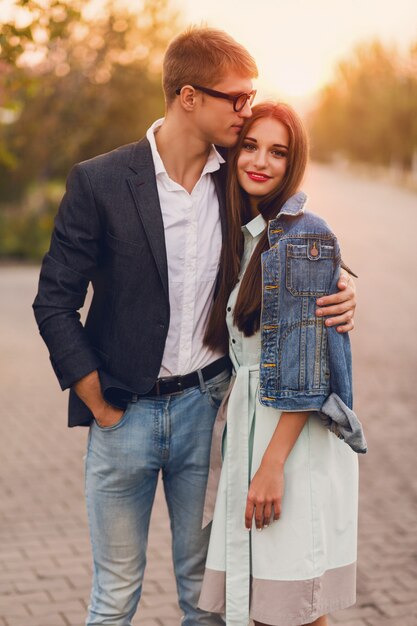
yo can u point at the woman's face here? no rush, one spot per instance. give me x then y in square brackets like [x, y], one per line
[262, 161]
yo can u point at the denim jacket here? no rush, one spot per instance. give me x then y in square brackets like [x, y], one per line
[304, 365]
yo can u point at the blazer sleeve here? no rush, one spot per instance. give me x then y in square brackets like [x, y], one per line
[66, 271]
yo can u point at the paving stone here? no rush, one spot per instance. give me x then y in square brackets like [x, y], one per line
[72, 606]
[52, 619]
[410, 620]
[74, 619]
[40, 584]
[356, 613]
[398, 610]
[24, 598]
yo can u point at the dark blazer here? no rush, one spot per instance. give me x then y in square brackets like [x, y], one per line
[109, 231]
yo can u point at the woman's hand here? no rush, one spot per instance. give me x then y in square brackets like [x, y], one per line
[341, 305]
[265, 491]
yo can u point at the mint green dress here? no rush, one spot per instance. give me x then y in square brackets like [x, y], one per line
[304, 564]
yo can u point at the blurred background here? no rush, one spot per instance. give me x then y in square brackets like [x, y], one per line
[78, 78]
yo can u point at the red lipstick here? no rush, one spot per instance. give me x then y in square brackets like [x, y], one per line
[258, 177]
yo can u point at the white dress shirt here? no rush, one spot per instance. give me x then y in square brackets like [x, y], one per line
[193, 241]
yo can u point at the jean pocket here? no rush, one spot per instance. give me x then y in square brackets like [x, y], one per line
[216, 388]
[118, 424]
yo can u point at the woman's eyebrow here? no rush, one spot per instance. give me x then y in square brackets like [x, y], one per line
[274, 145]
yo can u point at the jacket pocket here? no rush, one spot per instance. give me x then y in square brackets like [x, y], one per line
[309, 267]
[121, 246]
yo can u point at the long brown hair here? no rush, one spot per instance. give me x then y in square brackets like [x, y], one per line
[248, 305]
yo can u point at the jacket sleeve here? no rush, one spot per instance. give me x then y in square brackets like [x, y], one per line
[336, 411]
[66, 272]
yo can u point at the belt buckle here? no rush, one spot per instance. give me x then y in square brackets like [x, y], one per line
[176, 380]
[179, 383]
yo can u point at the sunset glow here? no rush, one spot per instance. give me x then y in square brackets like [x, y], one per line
[297, 43]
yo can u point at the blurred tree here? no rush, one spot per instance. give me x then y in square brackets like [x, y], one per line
[76, 81]
[368, 112]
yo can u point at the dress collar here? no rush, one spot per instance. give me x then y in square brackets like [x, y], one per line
[255, 227]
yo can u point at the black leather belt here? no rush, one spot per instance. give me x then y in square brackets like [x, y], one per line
[174, 384]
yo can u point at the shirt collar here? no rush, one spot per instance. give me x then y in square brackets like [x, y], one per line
[255, 227]
[213, 162]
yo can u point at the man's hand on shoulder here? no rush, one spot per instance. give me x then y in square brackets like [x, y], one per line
[340, 306]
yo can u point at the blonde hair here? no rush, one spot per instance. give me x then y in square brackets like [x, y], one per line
[204, 56]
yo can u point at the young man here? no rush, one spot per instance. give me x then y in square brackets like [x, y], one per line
[144, 224]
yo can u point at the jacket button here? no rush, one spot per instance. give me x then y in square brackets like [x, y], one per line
[313, 250]
[229, 308]
[233, 340]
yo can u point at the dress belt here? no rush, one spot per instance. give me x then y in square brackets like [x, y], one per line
[174, 384]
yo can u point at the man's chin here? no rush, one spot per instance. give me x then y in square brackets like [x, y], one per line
[227, 142]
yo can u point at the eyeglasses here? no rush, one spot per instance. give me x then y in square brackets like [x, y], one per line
[239, 101]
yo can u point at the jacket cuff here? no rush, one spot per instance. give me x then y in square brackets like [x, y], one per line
[343, 422]
[74, 366]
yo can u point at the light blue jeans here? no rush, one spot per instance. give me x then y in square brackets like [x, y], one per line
[167, 433]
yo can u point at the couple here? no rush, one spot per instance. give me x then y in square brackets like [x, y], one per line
[173, 255]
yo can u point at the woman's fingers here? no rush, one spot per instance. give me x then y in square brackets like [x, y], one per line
[250, 507]
[277, 510]
[263, 513]
[254, 509]
[267, 514]
[259, 515]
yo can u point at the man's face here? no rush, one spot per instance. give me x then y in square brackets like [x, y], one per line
[216, 120]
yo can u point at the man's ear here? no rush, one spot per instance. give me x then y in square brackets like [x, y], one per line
[188, 97]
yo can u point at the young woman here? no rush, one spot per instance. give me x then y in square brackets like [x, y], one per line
[284, 473]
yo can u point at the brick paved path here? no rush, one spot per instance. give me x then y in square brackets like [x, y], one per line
[44, 550]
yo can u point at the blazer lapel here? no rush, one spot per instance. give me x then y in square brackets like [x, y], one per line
[145, 194]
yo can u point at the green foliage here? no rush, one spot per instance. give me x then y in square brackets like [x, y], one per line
[25, 231]
[368, 113]
[74, 85]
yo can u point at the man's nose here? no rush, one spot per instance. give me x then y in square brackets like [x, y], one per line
[246, 112]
